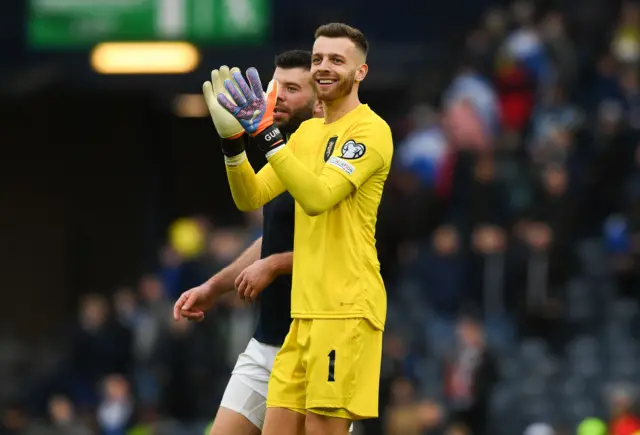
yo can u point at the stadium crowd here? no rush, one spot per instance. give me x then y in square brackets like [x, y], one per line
[509, 236]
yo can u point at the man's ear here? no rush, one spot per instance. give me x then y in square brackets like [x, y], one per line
[361, 72]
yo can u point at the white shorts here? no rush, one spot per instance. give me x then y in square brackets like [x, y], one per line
[246, 392]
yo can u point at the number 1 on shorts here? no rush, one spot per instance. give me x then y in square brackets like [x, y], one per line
[332, 366]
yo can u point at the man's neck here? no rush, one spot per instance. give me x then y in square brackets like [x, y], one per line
[334, 110]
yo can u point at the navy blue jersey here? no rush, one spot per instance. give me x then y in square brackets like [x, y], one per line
[275, 300]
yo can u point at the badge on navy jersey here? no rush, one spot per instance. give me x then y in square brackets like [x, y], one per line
[330, 146]
[352, 150]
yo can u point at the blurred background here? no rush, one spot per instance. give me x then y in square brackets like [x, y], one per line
[509, 233]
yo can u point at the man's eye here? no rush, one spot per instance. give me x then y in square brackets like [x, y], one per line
[291, 89]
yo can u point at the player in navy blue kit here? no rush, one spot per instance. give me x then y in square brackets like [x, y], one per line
[265, 267]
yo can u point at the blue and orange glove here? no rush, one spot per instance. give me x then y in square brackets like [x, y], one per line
[253, 108]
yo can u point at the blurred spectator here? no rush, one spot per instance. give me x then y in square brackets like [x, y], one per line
[622, 403]
[14, 420]
[545, 256]
[415, 192]
[486, 270]
[116, 407]
[423, 152]
[471, 376]
[525, 46]
[125, 307]
[610, 166]
[148, 331]
[439, 285]
[622, 236]
[555, 123]
[630, 87]
[470, 109]
[478, 197]
[605, 85]
[484, 42]
[397, 363]
[442, 275]
[100, 347]
[172, 271]
[408, 416]
[618, 241]
[224, 246]
[560, 49]
[183, 364]
[63, 418]
[516, 93]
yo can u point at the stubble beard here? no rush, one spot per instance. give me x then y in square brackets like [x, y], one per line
[296, 118]
[344, 88]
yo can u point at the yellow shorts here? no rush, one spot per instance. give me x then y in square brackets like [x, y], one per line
[329, 367]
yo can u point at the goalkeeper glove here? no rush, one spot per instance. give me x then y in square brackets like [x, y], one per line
[253, 108]
[228, 128]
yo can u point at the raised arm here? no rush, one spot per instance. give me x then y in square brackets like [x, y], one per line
[254, 109]
[251, 191]
[315, 194]
[350, 165]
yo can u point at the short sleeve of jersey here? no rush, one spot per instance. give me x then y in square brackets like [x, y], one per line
[365, 149]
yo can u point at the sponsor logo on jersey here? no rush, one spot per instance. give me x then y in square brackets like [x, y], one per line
[346, 167]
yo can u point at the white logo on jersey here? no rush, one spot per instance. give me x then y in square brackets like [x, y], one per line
[346, 167]
[352, 150]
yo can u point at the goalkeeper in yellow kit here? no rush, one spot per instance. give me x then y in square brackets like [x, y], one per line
[328, 370]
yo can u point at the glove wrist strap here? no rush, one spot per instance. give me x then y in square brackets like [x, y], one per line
[269, 138]
[233, 147]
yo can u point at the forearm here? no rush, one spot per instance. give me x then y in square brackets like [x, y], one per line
[250, 191]
[315, 194]
[246, 189]
[224, 281]
[281, 264]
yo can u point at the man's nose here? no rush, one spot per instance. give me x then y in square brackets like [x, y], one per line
[324, 65]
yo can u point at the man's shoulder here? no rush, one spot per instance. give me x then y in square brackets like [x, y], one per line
[374, 131]
[371, 121]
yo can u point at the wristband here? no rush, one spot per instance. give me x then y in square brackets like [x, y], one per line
[232, 147]
[269, 138]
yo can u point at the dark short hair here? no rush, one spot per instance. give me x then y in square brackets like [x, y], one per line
[294, 59]
[341, 30]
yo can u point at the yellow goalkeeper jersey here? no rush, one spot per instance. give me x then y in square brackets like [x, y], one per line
[336, 272]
